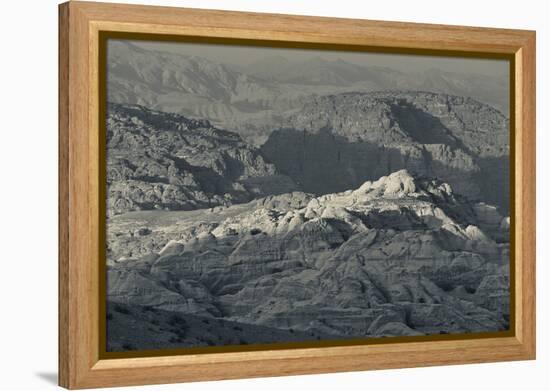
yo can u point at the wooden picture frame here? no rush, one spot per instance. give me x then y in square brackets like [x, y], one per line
[81, 24]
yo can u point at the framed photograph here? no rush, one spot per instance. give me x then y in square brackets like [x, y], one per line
[247, 195]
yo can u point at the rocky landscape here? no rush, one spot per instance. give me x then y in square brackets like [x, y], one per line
[250, 100]
[337, 142]
[398, 256]
[165, 161]
[268, 204]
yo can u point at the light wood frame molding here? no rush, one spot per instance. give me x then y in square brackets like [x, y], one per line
[80, 24]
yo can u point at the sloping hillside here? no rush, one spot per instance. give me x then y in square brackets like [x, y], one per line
[403, 255]
[159, 160]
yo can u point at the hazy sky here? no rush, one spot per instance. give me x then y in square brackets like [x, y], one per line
[243, 55]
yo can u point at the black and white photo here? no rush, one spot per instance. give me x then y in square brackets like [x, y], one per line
[260, 195]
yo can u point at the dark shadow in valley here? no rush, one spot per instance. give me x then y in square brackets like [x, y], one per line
[323, 163]
[494, 181]
[422, 126]
[398, 220]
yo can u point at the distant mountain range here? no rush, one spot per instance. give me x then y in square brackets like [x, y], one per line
[253, 99]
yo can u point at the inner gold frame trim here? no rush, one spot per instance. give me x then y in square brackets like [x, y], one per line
[84, 30]
[105, 36]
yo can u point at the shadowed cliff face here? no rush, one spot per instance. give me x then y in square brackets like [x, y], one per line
[493, 179]
[421, 126]
[402, 255]
[323, 163]
[338, 142]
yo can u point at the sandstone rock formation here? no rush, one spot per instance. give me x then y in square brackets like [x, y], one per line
[402, 255]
